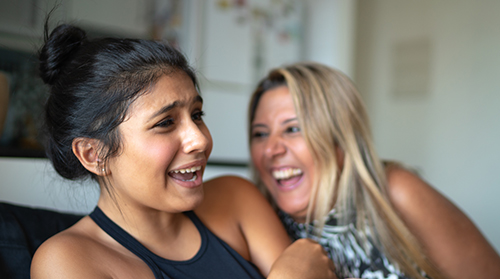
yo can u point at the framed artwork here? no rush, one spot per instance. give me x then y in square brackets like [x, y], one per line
[243, 39]
[240, 41]
[22, 98]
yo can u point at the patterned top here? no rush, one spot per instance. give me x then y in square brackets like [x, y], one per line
[343, 245]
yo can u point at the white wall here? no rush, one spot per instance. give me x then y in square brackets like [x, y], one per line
[34, 182]
[451, 133]
[329, 33]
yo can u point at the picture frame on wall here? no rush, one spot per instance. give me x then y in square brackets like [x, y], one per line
[21, 105]
[240, 42]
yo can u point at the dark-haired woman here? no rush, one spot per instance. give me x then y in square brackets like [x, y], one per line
[127, 114]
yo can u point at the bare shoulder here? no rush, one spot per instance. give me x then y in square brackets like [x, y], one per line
[230, 193]
[226, 197]
[85, 251]
[450, 238]
[68, 254]
[236, 211]
[407, 189]
[234, 185]
[418, 203]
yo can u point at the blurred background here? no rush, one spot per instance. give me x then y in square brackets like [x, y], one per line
[429, 72]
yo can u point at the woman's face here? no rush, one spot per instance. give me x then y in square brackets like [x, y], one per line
[280, 154]
[165, 147]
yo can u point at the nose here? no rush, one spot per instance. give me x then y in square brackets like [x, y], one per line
[196, 138]
[274, 146]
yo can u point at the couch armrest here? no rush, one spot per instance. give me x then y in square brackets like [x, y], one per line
[22, 231]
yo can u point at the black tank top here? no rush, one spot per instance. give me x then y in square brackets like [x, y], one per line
[214, 259]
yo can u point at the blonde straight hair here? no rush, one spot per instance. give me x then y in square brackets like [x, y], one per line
[331, 114]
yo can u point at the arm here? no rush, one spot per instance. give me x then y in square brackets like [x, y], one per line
[303, 259]
[451, 240]
[258, 235]
[236, 211]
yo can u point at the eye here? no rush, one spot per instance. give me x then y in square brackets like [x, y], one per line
[165, 123]
[293, 129]
[258, 134]
[198, 115]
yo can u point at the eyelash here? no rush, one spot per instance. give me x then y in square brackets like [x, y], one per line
[258, 134]
[167, 122]
[198, 115]
[293, 129]
[289, 130]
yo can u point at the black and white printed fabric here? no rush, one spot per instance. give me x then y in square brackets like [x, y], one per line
[343, 245]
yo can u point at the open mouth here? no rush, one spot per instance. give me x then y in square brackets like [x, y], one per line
[288, 176]
[189, 174]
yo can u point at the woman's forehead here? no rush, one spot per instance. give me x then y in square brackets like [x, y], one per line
[170, 91]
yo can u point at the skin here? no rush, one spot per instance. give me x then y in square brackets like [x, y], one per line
[449, 237]
[164, 132]
[277, 144]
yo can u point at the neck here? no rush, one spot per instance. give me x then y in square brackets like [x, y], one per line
[152, 228]
[169, 235]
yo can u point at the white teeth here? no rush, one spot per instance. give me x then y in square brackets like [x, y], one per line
[286, 173]
[193, 169]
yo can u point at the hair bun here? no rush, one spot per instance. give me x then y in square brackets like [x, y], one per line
[58, 49]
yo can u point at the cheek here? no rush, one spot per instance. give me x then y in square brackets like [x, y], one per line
[256, 154]
[159, 153]
[305, 155]
[308, 162]
[210, 144]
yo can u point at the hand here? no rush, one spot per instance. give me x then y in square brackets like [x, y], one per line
[303, 259]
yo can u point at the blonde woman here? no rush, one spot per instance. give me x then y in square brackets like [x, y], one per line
[314, 158]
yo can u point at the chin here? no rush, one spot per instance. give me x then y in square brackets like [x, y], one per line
[294, 211]
[192, 202]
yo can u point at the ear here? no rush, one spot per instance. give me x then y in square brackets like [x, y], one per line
[87, 152]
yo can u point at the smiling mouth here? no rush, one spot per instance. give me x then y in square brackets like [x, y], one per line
[287, 177]
[189, 174]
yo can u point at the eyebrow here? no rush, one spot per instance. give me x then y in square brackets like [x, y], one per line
[265, 126]
[198, 98]
[167, 108]
[258, 125]
[289, 120]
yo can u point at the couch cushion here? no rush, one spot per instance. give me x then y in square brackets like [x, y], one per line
[22, 230]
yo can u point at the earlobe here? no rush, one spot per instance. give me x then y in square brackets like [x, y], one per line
[87, 152]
